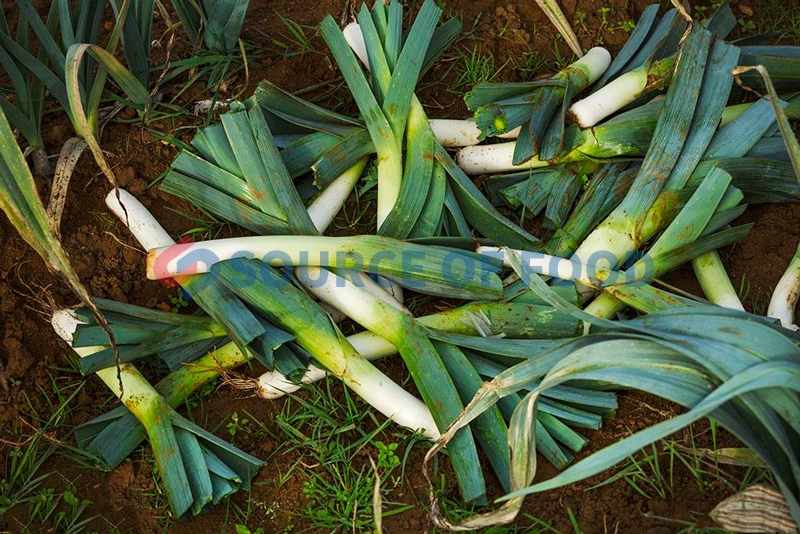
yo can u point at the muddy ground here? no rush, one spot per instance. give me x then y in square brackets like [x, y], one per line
[39, 372]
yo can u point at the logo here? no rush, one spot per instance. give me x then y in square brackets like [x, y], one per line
[160, 269]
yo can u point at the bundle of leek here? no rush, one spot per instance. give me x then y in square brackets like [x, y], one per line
[437, 199]
[430, 380]
[765, 178]
[196, 467]
[466, 359]
[450, 204]
[745, 131]
[621, 233]
[294, 312]
[248, 329]
[316, 333]
[627, 135]
[115, 435]
[645, 64]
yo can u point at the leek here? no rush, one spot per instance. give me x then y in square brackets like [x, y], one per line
[737, 366]
[386, 124]
[25, 110]
[423, 362]
[784, 298]
[621, 92]
[196, 467]
[539, 107]
[218, 23]
[428, 269]
[456, 133]
[621, 232]
[628, 134]
[114, 435]
[464, 202]
[690, 229]
[317, 334]
[19, 200]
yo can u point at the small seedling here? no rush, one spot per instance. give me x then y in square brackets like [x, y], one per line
[242, 529]
[237, 423]
[295, 42]
[475, 68]
[746, 25]
[42, 505]
[177, 302]
[604, 12]
[533, 63]
[580, 20]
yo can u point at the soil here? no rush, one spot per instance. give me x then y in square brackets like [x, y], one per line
[36, 365]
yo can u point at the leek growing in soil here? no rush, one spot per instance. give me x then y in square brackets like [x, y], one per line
[80, 28]
[25, 109]
[77, 85]
[136, 35]
[19, 199]
[217, 23]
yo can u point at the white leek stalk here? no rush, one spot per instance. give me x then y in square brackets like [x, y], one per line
[455, 133]
[492, 159]
[281, 250]
[354, 37]
[325, 206]
[595, 63]
[273, 385]
[619, 93]
[715, 282]
[136, 393]
[784, 299]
